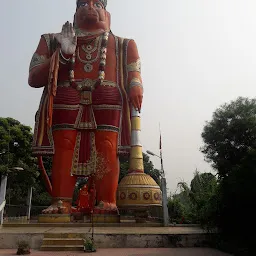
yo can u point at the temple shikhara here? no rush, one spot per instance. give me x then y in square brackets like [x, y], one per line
[89, 116]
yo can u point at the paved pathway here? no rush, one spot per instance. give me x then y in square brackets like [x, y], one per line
[104, 230]
[130, 252]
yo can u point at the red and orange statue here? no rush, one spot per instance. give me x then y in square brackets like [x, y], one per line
[91, 80]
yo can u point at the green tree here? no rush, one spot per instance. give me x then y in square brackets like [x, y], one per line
[195, 198]
[16, 141]
[176, 209]
[230, 146]
[185, 198]
[230, 135]
[203, 191]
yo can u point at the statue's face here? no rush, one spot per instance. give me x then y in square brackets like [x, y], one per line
[91, 14]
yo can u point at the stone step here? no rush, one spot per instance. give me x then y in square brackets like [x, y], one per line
[62, 248]
[63, 241]
[63, 236]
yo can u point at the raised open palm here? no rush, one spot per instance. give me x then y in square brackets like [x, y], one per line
[67, 39]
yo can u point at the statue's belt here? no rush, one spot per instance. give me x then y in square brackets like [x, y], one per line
[86, 84]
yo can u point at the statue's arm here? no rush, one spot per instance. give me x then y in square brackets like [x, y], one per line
[40, 64]
[134, 75]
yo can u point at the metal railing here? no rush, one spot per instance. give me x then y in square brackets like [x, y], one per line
[18, 213]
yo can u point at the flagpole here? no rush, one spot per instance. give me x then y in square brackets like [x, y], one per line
[161, 153]
[163, 185]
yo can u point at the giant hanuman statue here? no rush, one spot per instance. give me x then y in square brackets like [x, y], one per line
[92, 83]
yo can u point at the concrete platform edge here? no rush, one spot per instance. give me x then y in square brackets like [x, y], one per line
[111, 238]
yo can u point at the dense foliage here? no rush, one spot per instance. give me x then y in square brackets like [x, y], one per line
[230, 146]
[193, 203]
[16, 159]
[228, 202]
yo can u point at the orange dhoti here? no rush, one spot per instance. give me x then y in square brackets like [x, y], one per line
[90, 147]
[62, 181]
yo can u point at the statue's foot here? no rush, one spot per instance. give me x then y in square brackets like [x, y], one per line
[105, 207]
[113, 208]
[58, 208]
[52, 209]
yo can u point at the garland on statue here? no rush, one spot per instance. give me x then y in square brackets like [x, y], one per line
[102, 66]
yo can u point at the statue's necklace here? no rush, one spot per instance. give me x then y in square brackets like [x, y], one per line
[103, 57]
[89, 50]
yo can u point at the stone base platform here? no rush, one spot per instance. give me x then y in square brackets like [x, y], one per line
[106, 237]
[101, 218]
[54, 218]
[67, 218]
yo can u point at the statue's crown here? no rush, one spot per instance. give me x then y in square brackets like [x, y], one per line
[104, 2]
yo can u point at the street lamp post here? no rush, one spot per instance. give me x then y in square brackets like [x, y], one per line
[3, 185]
[2, 198]
[164, 190]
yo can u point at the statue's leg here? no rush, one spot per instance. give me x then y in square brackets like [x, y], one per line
[106, 186]
[62, 182]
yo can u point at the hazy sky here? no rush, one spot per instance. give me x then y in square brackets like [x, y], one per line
[196, 55]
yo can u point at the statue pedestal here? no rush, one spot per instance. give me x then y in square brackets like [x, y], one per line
[102, 218]
[54, 218]
[66, 218]
[141, 215]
